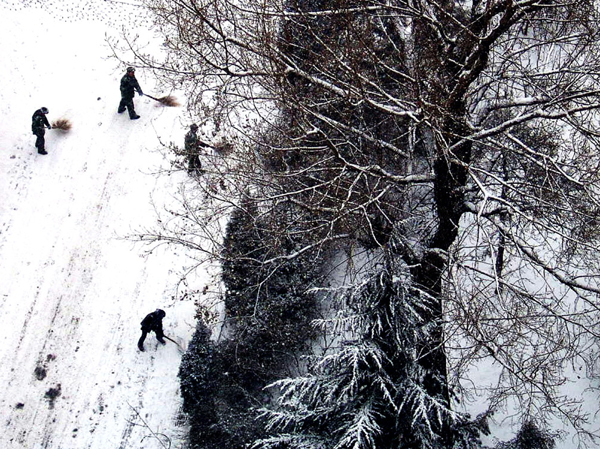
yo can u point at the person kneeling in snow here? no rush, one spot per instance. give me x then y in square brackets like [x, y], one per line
[38, 124]
[152, 322]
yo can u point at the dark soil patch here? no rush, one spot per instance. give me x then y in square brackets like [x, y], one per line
[52, 394]
[40, 372]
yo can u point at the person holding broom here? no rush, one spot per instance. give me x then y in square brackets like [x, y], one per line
[129, 85]
[192, 150]
[39, 123]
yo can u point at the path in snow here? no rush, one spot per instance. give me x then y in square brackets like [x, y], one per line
[72, 291]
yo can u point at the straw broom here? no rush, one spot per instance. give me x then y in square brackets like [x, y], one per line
[169, 100]
[63, 124]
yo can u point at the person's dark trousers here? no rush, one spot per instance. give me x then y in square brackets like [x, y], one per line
[194, 164]
[127, 102]
[159, 337]
[40, 142]
[141, 340]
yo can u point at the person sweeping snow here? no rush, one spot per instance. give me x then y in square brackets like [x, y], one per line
[192, 150]
[152, 322]
[39, 123]
[129, 84]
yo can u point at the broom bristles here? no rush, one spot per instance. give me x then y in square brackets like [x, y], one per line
[169, 100]
[63, 124]
[224, 147]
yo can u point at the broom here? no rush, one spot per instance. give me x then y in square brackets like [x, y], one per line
[62, 123]
[177, 344]
[169, 100]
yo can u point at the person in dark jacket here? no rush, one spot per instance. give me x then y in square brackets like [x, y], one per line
[129, 85]
[152, 322]
[192, 150]
[39, 123]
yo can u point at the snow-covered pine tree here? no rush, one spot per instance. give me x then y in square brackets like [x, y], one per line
[367, 391]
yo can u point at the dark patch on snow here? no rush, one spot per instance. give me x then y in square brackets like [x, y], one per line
[40, 372]
[52, 394]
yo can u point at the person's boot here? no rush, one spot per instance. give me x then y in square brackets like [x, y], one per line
[134, 117]
[141, 347]
[161, 340]
[42, 151]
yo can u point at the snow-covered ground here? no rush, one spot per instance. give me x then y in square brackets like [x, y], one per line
[72, 290]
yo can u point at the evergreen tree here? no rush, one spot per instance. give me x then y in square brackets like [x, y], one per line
[530, 436]
[367, 391]
[199, 379]
[268, 321]
[268, 307]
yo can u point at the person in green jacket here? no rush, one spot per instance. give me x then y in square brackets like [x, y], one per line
[192, 150]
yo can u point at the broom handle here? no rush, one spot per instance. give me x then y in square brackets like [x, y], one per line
[168, 337]
[154, 98]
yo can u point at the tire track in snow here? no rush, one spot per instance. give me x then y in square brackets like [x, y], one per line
[18, 176]
[57, 333]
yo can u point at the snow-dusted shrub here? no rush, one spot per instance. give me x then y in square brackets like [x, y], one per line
[267, 302]
[215, 407]
[269, 314]
[197, 378]
[530, 436]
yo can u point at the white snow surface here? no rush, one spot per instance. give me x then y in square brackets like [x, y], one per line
[72, 290]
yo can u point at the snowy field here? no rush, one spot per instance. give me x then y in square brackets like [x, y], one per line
[72, 290]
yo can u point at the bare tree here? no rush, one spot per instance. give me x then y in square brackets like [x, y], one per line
[456, 136]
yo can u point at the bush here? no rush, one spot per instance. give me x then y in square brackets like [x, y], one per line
[216, 409]
[267, 305]
[269, 315]
[197, 378]
[530, 437]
